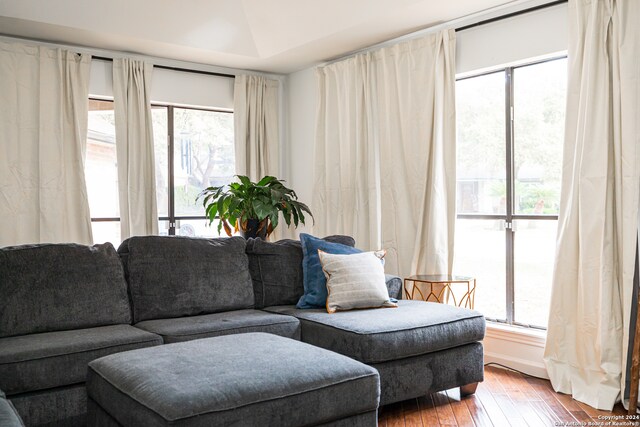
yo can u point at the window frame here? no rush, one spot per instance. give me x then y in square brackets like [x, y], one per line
[510, 216]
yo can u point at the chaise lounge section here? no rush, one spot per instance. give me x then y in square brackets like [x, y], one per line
[417, 348]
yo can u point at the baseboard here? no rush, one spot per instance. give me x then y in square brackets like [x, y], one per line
[518, 348]
[527, 366]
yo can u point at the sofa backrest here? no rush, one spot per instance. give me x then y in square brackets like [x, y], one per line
[174, 276]
[54, 287]
[276, 269]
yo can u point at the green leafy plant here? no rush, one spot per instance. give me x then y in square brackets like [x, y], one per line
[238, 202]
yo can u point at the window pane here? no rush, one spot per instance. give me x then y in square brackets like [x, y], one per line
[481, 171]
[539, 108]
[192, 228]
[534, 252]
[198, 228]
[203, 155]
[106, 231]
[480, 252]
[160, 135]
[101, 172]
[163, 228]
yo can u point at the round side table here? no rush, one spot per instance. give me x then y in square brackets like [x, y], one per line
[440, 289]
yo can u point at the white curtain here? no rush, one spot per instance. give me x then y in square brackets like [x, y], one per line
[256, 119]
[385, 152]
[415, 87]
[134, 147]
[43, 130]
[347, 171]
[588, 332]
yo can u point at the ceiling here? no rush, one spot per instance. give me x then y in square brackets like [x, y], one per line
[277, 36]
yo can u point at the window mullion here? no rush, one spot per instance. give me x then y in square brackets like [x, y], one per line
[171, 180]
[509, 235]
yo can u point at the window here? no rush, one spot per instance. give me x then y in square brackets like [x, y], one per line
[199, 154]
[193, 149]
[509, 143]
[101, 172]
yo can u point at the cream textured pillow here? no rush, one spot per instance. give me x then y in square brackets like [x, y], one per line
[355, 281]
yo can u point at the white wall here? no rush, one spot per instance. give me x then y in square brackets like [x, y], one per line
[302, 98]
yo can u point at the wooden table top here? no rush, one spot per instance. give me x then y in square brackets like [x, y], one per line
[439, 278]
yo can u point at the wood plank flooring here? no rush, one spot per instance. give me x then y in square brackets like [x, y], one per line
[505, 398]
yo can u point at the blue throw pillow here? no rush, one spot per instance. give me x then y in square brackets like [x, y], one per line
[315, 283]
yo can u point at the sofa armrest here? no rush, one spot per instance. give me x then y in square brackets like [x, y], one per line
[394, 285]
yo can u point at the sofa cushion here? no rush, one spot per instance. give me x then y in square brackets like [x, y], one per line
[314, 280]
[8, 415]
[251, 379]
[373, 336]
[181, 276]
[53, 287]
[355, 281]
[227, 323]
[54, 359]
[276, 269]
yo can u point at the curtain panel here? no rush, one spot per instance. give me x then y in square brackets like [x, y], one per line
[415, 94]
[134, 147]
[256, 126]
[43, 130]
[588, 335]
[385, 152]
[347, 170]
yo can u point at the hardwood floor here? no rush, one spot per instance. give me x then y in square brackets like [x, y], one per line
[505, 398]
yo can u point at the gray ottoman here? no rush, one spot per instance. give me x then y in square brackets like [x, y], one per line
[253, 379]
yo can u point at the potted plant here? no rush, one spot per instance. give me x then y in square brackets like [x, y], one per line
[252, 208]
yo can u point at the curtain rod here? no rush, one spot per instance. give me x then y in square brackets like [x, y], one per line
[511, 15]
[187, 70]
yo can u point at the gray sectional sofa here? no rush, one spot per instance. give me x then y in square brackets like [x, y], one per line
[64, 305]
